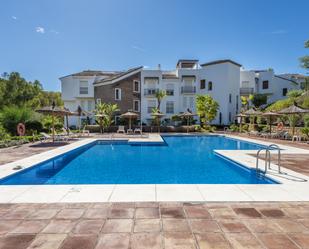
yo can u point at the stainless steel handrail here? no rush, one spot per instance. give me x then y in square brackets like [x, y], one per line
[275, 146]
[267, 156]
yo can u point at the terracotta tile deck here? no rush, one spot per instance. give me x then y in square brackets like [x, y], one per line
[155, 225]
[15, 153]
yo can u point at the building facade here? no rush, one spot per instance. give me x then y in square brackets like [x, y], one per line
[219, 79]
[266, 82]
[135, 89]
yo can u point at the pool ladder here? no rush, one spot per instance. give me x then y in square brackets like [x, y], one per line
[267, 158]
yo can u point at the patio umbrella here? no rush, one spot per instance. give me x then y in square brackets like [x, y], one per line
[54, 111]
[241, 116]
[293, 110]
[251, 113]
[270, 115]
[158, 115]
[187, 115]
[129, 115]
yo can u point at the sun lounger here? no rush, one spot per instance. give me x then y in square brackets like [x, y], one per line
[85, 132]
[138, 130]
[45, 137]
[121, 129]
[254, 133]
[69, 133]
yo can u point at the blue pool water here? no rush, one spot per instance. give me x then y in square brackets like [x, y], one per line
[180, 160]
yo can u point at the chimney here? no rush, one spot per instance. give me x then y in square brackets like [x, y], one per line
[159, 66]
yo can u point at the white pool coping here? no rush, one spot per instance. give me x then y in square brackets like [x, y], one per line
[294, 186]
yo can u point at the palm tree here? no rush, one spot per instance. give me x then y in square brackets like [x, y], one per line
[104, 113]
[159, 96]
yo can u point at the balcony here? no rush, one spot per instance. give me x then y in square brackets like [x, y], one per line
[188, 89]
[246, 90]
[150, 91]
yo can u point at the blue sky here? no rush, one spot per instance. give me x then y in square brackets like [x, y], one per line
[45, 40]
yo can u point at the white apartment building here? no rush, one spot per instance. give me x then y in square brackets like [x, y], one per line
[77, 90]
[268, 83]
[222, 79]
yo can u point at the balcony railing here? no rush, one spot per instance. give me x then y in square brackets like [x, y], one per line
[246, 90]
[150, 91]
[188, 89]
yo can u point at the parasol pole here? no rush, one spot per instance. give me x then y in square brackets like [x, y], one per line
[240, 125]
[188, 124]
[67, 121]
[53, 121]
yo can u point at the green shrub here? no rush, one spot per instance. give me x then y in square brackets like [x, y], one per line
[265, 129]
[234, 127]
[33, 126]
[305, 131]
[245, 127]
[306, 120]
[47, 122]
[3, 133]
[11, 116]
[197, 128]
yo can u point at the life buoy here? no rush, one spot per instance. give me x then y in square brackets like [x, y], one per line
[280, 126]
[21, 129]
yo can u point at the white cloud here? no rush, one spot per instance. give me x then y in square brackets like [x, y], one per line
[279, 32]
[14, 17]
[138, 48]
[40, 30]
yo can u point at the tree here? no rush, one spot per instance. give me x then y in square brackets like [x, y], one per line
[259, 99]
[105, 112]
[159, 96]
[293, 94]
[15, 90]
[245, 101]
[304, 61]
[207, 108]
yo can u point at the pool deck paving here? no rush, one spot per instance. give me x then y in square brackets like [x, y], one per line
[155, 225]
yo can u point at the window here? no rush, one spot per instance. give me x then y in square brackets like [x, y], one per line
[230, 98]
[150, 105]
[98, 101]
[237, 104]
[169, 89]
[202, 84]
[210, 86]
[169, 107]
[265, 84]
[220, 117]
[136, 105]
[284, 91]
[117, 94]
[136, 86]
[230, 117]
[83, 87]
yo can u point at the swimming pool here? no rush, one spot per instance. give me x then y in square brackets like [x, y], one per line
[181, 160]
